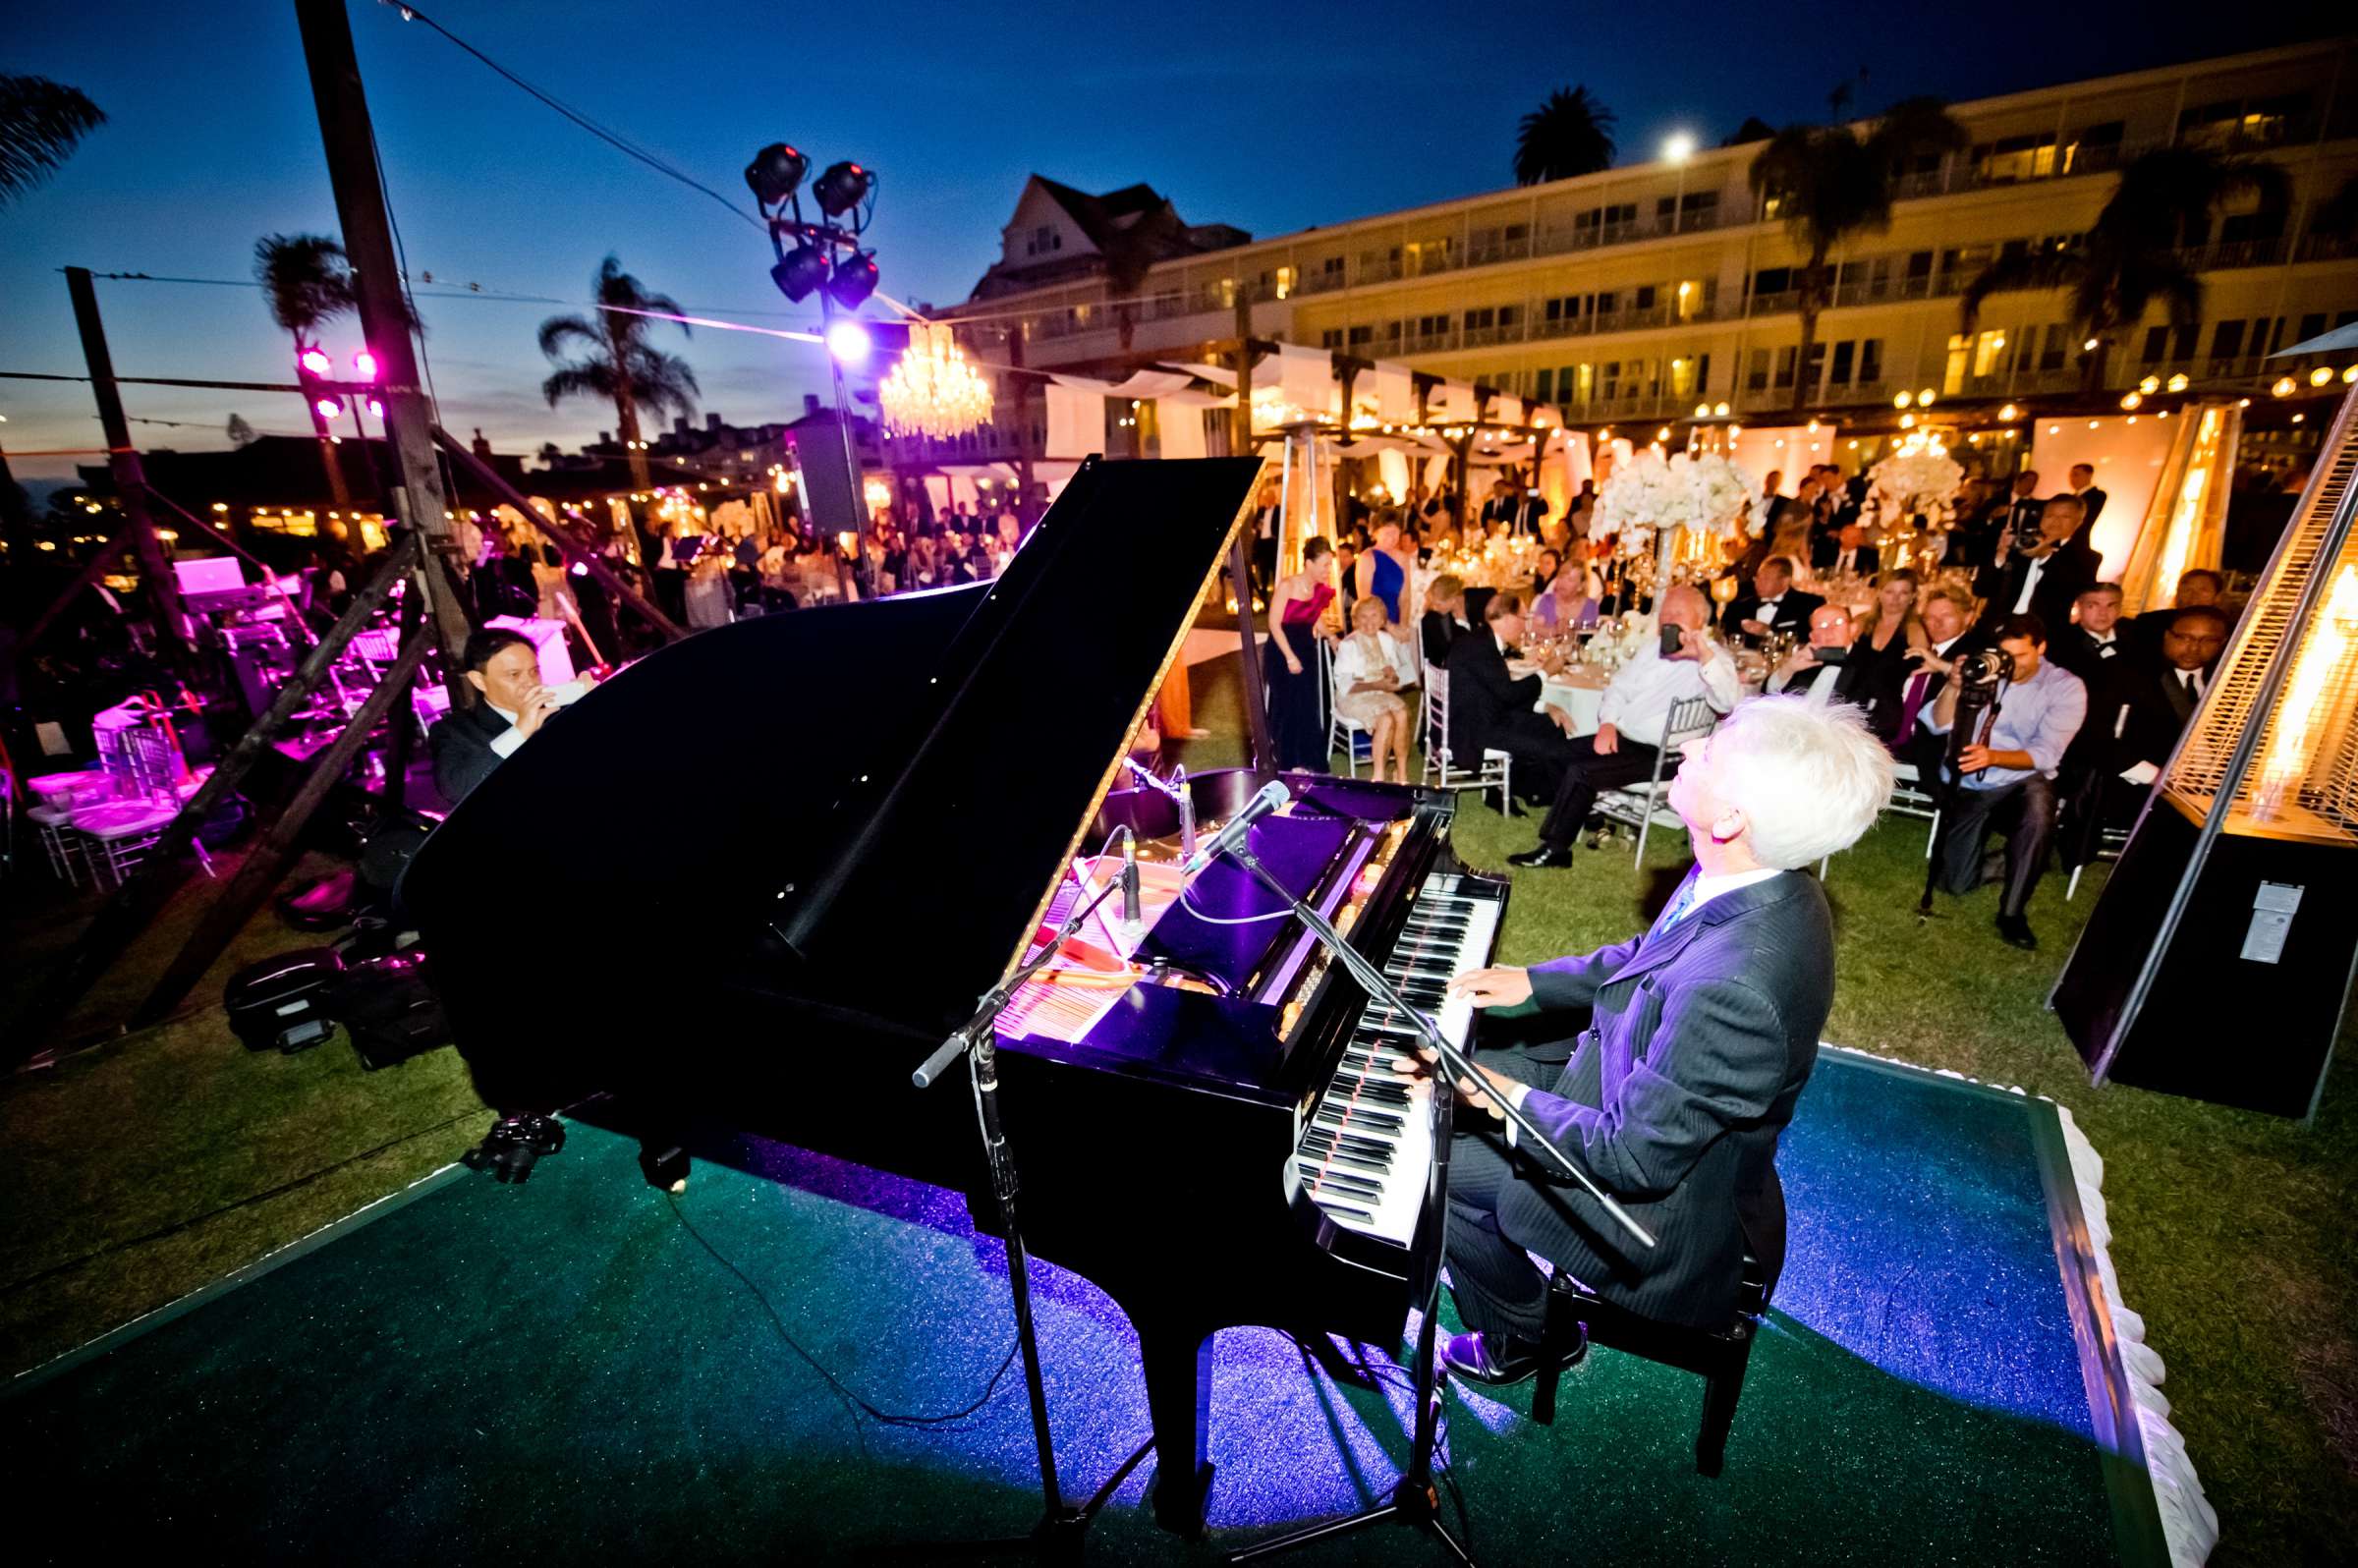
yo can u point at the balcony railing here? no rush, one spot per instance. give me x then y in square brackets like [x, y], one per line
[2226, 255]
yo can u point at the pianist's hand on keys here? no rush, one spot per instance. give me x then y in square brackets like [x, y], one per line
[1492, 987]
[1420, 1066]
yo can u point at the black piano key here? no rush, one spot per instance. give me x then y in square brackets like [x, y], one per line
[1348, 1142]
[1380, 1121]
[1349, 1186]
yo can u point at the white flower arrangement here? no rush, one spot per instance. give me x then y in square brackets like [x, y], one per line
[1911, 482]
[1647, 494]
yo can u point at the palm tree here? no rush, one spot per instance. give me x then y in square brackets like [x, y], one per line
[1571, 133]
[1828, 182]
[42, 122]
[2128, 260]
[306, 281]
[616, 360]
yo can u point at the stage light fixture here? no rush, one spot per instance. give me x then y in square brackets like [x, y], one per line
[842, 187]
[855, 279]
[804, 269]
[2178, 383]
[849, 342]
[328, 408]
[364, 365]
[775, 173]
[377, 409]
[316, 360]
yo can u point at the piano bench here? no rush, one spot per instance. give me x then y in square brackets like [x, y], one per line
[1718, 1355]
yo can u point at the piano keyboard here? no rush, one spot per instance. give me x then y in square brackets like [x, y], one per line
[1367, 1150]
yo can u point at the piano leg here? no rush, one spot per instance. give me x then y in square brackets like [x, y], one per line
[1178, 1366]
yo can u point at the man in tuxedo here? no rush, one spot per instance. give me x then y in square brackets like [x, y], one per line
[1693, 1043]
[1846, 550]
[1773, 605]
[2047, 579]
[2083, 485]
[2198, 589]
[1822, 671]
[509, 708]
[1266, 518]
[1632, 719]
[1493, 709]
[2126, 742]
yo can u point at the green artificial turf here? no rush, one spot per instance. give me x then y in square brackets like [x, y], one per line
[159, 1161]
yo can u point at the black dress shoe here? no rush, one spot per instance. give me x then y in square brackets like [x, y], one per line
[1541, 855]
[1470, 1356]
[2017, 932]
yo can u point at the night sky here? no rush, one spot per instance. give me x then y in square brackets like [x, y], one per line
[1337, 112]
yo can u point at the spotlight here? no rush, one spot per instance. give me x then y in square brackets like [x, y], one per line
[855, 279]
[848, 341]
[1719, 410]
[1678, 147]
[377, 409]
[2177, 383]
[316, 360]
[364, 365]
[2149, 385]
[2008, 412]
[2321, 375]
[842, 187]
[775, 173]
[1903, 400]
[329, 407]
[804, 269]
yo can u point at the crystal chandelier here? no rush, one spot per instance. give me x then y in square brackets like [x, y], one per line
[931, 390]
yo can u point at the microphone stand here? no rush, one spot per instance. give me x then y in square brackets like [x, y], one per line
[1062, 1527]
[1415, 1501]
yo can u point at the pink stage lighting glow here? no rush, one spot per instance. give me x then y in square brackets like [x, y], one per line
[316, 360]
[377, 409]
[364, 365]
[849, 342]
[328, 408]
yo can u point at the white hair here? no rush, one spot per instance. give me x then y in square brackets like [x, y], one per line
[1808, 780]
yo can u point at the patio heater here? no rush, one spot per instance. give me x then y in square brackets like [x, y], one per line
[2219, 959]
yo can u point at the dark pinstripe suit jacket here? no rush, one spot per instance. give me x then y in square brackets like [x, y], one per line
[1700, 1040]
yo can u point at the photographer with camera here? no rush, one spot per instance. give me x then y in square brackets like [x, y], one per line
[1823, 670]
[2009, 714]
[2048, 568]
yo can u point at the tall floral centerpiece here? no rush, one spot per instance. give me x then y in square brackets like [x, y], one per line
[1913, 493]
[1670, 517]
[1677, 509]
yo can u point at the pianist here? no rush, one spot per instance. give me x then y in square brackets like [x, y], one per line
[1698, 1039]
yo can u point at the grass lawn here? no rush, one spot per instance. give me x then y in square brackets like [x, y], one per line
[154, 1163]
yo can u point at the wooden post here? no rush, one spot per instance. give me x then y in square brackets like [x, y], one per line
[1242, 426]
[1019, 387]
[123, 462]
[351, 145]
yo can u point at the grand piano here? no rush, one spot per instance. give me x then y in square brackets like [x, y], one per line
[755, 879]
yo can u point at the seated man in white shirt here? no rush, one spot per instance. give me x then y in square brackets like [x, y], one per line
[469, 743]
[1632, 717]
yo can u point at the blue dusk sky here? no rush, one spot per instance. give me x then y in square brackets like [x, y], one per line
[1273, 118]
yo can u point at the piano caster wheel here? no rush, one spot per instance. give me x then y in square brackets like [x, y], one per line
[1179, 1508]
[665, 1169]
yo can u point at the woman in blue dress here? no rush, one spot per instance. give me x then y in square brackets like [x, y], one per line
[1383, 572]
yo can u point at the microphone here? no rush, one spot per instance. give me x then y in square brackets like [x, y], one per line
[1133, 915]
[1272, 795]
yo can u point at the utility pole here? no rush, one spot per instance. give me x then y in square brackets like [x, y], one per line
[351, 143]
[123, 462]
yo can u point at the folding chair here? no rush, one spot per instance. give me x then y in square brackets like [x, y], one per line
[1639, 806]
[1497, 769]
[1343, 731]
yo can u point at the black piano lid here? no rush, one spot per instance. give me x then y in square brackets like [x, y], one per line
[911, 775]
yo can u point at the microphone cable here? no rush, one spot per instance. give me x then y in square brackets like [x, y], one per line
[848, 1396]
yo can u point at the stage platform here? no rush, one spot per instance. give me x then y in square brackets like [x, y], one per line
[470, 1373]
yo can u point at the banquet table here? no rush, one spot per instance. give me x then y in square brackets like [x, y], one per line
[1579, 689]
